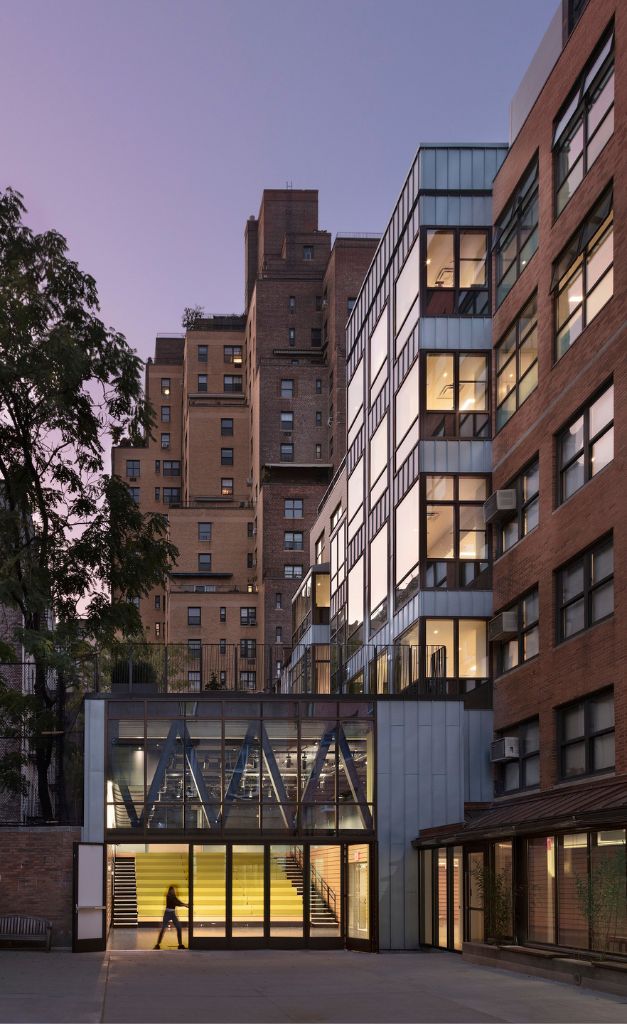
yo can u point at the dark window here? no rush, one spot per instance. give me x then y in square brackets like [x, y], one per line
[248, 649]
[350, 305]
[157, 466]
[291, 336]
[336, 515]
[287, 453]
[250, 560]
[319, 549]
[202, 382]
[222, 647]
[132, 468]
[226, 486]
[194, 648]
[248, 616]
[318, 451]
[586, 445]
[316, 337]
[226, 456]
[158, 601]
[457, 399]
[293, 508]
[293, 540]
[583, 275]
[517, 363]
[456, 272]
[250, 529]
[232, 383]
[585, 124]
[226, 427]
[318, 386]
[134, 493]
[222, 614]
[525, 516]
[586, 735]
[517, 232]
[205, 531]
[248, 680]
[291, 303]
[287, 388]
[575, 10]
[585, 589]
[308, 252]
[157, 494]
[318, 419]
[171, 467]
[278, 635]
[278, 600]
[287, 421]
[165, 440]
[524, 644]
[166, 385]
[165, 413]
[204, 562]
[203, 353]
[233, 354]
[318, 303]
[522, 772]
[171, 495]
[193, 616]
[293, 572]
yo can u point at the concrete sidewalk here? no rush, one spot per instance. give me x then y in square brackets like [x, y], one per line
[277, 985]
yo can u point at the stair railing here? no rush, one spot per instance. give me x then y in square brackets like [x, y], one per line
[317, 882]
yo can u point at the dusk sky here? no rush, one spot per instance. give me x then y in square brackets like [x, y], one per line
[145, 130]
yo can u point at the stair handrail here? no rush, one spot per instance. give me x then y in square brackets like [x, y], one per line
[322, 887]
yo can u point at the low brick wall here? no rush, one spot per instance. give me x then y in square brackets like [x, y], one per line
[36, 876]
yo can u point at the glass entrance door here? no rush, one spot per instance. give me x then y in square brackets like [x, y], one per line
[357, 873]
[248, 892]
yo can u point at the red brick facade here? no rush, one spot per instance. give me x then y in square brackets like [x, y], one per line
[36, 876]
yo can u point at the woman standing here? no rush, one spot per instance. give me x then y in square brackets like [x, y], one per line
[169, 915]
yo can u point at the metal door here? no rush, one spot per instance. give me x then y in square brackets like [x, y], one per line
[89, 915]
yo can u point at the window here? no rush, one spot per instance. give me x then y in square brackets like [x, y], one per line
[525, 642]
[157, 629]
[522, 772]
[204, 531]
[585, 124]
[202, 382]
[157, 466]
[319, 549]
[378, 347]
[166, 385]
[226, 486]
[407, 553]
[291, 336]
[356, 499]
[248, 680]
[287, 388]
[465, 643]
[406, 287]
[233, 354]
[350, 304]
[287, 453]
[292, 572]
[165, 440]
[157, 494]
[336, 515]
[316, 337]
[456, 541]
[583, 276]
[248, 649]
[585, 589]
[287, 421]
[308, 252]
[165, 413]
[193, 616]
[250, 530]
[158, 602]
[171, 495]
[517, 363]
[171, 467]
[132, 468]
[586, 735]
[318, 451]
[134, 493]
[379, 558]
[586, 445]
[517, 232]
[355, 400]
[278, 635]
[379, 462]
[232, 383]
[278, 600]
[194, 649]
[457, 395]
[226, 456]
[293, 540]
[318, 386]
[222, 646]
[291, 303]
[193, 678]
[248, 616]
[456, 273]
[204, 562]
[356, 598]
[222, 614]
[202, 353]
[226, 427]
[406, 407]
[527, 513]
[250, 560]
[293, 508]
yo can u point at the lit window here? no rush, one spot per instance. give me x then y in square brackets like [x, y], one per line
[456, 541]
[226, 486]
[517, 233]
[457, 395]
[464, 641]
[233, 354]
[407, 553]
[456, 273]
[586, 445]
[517, 363]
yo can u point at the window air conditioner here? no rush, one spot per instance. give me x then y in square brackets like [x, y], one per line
[504, 749]
[500, 505]
[503, 626]
[132, 478]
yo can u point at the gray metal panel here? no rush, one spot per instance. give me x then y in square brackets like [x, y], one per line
[478, 733]
[455, 456]
[94, 775]
[451, 333]
[453, 603]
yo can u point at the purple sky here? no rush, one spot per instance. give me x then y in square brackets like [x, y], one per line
[145, 130]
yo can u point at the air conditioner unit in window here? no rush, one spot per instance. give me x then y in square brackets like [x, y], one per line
[132, 479]
[500, 505]
[503, 626]
[504, 749]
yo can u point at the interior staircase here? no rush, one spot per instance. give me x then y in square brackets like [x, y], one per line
[124, 893]
[320, 913]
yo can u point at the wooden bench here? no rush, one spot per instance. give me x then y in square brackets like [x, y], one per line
[23, 930]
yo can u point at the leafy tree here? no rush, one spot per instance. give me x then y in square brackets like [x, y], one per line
[601, 896]
[191, 316]
[74, 547]
[495, 890]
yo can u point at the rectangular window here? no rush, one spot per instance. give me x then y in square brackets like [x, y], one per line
[586, 735]
[456, 537]
[318, 418]
[407, 546]
[378, 462]
[135, 494]
[226, 486]
[171, 467]
[232, 383]
[287, 421]
[233, 354]
[226, 456]
[278, 600]
[583, 275]
[158, 602]
[457, 396]
[318, 451]
[194, 649]
[157, 466]
[292, 572]
[248, 680]
[308, 252]
[293, 540]
[157, 494]
[356, 598]
[379, 558]
[250, 530]
[202, 382]
[250, 560]
[165, 440]
[336, 515]
[585, 589]
[406, 287]
[356, 499]
[316, 337]
[541, 889]
[378, 354]
[287, 453]
[523, 771]
[517, 363]
[350, 305]
[517, 232]
[318, 386]
[193, 616]
[157, 629]
[293, 508]
[355, 400]
[226, 427]
[319, 549]
[204, 531]
[132, 468]
[525, 516]
[291, 303]
[456, 274]
[202, 353]
[287, 388]
[171, 495]
[165, 413]
[464, 641]
[585, 124]
[524, 643]
[248, 649]
[222, 614]
[248, 616]
[586, 445]
[166, 385]
[204, 562]
[291, 336]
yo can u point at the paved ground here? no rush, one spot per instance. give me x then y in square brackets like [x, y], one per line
[273, 985]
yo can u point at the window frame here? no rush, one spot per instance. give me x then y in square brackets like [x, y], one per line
[232, 383]
[286, 388]
[232, 355]
[587, 737]
[286, 451]
[524, 629]
[519, 730]
[454, 579]
[294, 544]
[522, 337]
[590, 587]
[226, 456]
[481, 420]
[293, 513]
[295, 571]
[202, 383]
[587, 446]
[203, 556]
[193, 619]
[171, 495]
[202, 353]
[205, 535]
[227, 486]
[225, 431]
[456, 291]
[509, 225]
[522, 508]
[171, 467]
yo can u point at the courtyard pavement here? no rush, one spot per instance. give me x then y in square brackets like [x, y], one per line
[277, 985]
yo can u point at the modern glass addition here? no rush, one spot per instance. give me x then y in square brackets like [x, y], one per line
[456, 272]
[379, 556]
[583, 276]
[585, 124]
[586, 445]
[406, 408]
[526, 642]
[457, 395]
[517, 363]
[455, 531]
[356, 499]
[465, 644]
[527, 513]
[517, 233]
[407, 287]
[378, 462]
[585, 589]
[379, 353]
[407, 539]
[586, 735]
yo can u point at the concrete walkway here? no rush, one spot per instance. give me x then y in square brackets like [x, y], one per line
[274, 985]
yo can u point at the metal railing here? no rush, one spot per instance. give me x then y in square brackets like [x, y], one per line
[318, 882]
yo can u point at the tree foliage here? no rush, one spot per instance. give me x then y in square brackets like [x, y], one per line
[74, 547]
